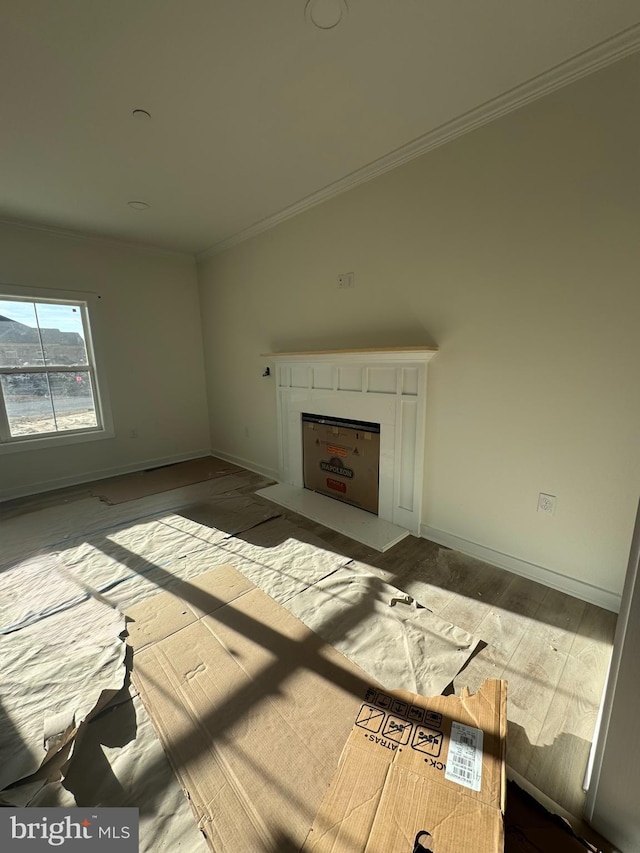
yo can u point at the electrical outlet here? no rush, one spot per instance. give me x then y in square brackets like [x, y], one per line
[346, 280]
[547, 504]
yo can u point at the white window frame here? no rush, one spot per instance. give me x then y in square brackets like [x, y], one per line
[90, 304]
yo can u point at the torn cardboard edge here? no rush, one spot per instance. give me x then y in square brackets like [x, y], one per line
[253, 710]
[418, 770]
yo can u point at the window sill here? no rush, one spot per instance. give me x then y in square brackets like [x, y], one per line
[52, 441]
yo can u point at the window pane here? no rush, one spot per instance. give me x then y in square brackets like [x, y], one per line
[39, 403]
[33, 334]
[62, 333]
[29, 407]
[73, 400]
[19, 337]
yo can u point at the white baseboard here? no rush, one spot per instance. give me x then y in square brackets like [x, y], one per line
[572, 586]
[270, 473]
[101, 474]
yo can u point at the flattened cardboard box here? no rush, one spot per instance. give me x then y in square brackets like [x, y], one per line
[253, 710]
[418, 775]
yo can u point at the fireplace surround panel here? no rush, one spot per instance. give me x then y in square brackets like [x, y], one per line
[385, 387]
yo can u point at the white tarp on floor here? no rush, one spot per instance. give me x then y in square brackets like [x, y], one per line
[63, 608]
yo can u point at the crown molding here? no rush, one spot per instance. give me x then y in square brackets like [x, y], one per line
[589, 61]
[70, 234]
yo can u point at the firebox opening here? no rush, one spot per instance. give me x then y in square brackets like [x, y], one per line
[341, 459]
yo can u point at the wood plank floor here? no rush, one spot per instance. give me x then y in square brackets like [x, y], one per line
[553, 649]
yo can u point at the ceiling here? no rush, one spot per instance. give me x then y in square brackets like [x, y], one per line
[255, 112]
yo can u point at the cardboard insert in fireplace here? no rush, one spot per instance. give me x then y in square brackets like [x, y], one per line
[342, 459]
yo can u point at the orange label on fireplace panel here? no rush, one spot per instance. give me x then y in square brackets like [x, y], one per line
[336, 485]
[337, 451]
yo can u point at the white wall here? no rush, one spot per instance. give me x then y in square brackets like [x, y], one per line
[150, 321]
[612, 799]
[516, 249]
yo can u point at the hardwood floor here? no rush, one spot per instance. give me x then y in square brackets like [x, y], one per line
[552, 649]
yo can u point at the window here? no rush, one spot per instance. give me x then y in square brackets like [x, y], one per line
[49, 383]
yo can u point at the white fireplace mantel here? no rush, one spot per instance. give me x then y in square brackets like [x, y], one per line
[385, 386]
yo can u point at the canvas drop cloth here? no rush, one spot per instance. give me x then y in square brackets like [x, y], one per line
[62, 611]
[395, 640]
[53, 673]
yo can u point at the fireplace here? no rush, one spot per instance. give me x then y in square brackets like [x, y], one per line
[385, 387]
[341, 459]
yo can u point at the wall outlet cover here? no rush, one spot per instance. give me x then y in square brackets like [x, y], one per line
[546, 504]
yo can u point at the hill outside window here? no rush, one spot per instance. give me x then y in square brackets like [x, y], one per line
[49, 379]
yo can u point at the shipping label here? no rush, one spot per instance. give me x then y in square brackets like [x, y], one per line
[464, 761]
